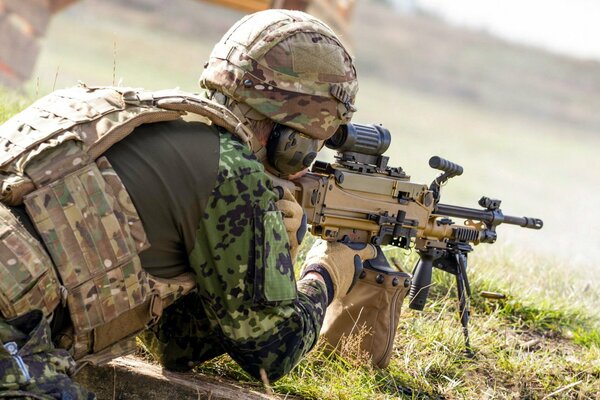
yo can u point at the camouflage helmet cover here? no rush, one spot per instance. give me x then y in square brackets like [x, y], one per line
[288, 66]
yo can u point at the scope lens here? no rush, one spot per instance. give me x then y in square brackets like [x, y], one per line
[339, 138]
[365, 139]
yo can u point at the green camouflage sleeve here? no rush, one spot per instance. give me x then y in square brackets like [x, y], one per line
[245, 274]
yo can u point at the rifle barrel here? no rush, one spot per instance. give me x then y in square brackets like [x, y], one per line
[487, 216]
[525, 222]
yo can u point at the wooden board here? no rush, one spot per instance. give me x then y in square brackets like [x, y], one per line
[133, 379]
[32, 15]
[244, 5]
[57, 5]
[291, 4]
[18, 51]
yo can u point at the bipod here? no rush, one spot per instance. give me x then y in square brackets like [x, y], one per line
[455, 263]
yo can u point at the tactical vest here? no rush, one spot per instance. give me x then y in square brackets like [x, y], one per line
[51, 161]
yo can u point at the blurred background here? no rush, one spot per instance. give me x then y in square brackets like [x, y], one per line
[508, 89]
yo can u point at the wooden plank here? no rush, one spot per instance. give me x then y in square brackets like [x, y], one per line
[335, 13]
[133, 379]
[18, 50]
[57, 5]
[301, 5]
[244, 5]
[34, 14]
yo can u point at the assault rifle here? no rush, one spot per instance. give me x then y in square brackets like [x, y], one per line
[361, 199]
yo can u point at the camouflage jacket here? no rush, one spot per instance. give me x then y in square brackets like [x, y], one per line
[30, 366]
[248, 302]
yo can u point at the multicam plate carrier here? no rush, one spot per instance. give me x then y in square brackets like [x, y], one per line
[51, 161]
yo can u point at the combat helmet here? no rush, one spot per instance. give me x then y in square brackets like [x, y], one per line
[287, 66]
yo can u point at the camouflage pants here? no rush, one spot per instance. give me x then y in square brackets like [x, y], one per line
[30, 366]
[182, 338]
[185, 337]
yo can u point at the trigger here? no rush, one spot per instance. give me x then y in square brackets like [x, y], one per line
[358, 268]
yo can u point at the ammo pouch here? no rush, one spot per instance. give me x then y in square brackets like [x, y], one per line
[94, 235]
[28, 280]
[371, 310]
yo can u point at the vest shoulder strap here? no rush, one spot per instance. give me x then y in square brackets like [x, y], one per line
[97, 118]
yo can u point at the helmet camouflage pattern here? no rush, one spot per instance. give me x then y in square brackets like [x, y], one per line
[288, 66]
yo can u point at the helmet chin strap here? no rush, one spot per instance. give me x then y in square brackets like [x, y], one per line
[259, 150]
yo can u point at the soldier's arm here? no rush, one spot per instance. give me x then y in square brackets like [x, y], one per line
[246, 278]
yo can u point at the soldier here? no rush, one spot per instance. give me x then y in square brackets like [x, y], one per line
[279, 83]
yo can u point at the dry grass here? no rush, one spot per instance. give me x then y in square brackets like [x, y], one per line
[533, 345]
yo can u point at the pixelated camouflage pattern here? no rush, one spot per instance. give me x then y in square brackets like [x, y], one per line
[28, 280]
[183, 339]
[30, 366]
[88, 235]
[288, 66]
[234, 227]
[248, 303]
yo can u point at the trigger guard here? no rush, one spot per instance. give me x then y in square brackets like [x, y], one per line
[358, 268]
[302, 230]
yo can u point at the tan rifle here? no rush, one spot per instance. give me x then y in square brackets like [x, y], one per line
[360, 199]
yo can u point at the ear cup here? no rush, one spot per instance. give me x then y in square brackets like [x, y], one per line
[290, 151]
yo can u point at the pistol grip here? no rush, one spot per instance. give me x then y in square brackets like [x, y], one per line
[421, 281]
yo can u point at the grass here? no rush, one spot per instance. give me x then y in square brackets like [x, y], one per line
[537, 167]
[519, 139]
[526, 347]
[11, 103]
[542, 341]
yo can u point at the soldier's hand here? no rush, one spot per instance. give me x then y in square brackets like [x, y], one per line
[294, 220]
[342, 263]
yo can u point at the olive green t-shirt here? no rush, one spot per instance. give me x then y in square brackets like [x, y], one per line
[169, 170]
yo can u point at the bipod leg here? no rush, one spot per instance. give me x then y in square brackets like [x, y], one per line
[464, 292]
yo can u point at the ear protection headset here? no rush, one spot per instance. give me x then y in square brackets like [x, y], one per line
[290, 151]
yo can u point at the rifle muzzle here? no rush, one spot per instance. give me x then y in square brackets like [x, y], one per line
[525, 222]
